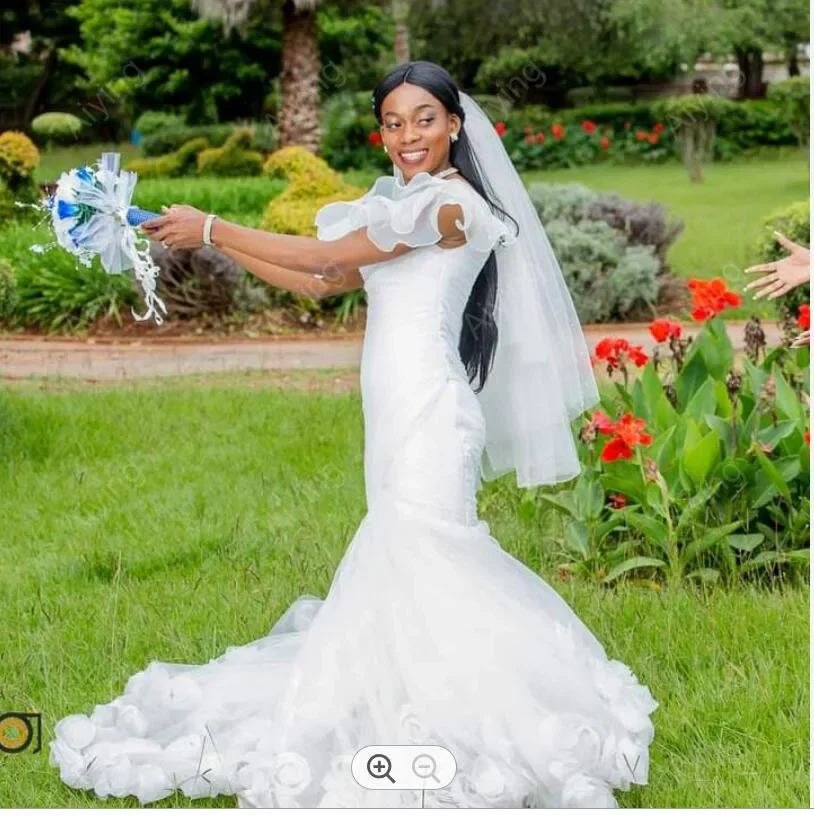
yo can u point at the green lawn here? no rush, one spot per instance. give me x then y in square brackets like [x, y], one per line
[171, 520]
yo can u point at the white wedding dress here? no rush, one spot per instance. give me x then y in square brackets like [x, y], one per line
[431, 633]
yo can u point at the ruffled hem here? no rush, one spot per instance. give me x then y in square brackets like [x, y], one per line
[396, 213]
[415, 644]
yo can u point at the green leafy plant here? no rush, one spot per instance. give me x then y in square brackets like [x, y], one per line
[8, 289]
[54, 291]
[794, 97]
[696, 470]
[795, 223]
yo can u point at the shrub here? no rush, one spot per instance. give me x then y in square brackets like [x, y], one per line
[19, 158]
[612, 250]
[181, 163]
[592, 95]
[169, 141]
[264, 137]
[55, 291]
[153, 122]
[794, 222]
[793, 96]
[312, 183]
[233, 159]
[750, 125]
[57, 127]
[8, 290]
[566, 145]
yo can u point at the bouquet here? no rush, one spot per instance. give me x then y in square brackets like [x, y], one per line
[91, 215]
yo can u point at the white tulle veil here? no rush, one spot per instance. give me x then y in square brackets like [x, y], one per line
[542, 376]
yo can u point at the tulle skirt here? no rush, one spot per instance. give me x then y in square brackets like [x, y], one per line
[430, 634]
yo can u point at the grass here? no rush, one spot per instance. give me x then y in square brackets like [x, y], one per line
[59, 160]
[172, 519]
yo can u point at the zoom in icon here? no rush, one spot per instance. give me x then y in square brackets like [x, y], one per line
[379, 767]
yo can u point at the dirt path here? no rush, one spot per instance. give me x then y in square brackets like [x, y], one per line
[97, 360]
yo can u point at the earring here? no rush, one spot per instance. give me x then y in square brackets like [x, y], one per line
[385, 150]
[454, 137]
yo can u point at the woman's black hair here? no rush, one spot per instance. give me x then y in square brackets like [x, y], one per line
[478, 339]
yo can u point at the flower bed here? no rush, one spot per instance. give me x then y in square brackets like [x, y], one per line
[697, 468]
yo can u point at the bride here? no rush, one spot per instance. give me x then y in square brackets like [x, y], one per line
[473, 365]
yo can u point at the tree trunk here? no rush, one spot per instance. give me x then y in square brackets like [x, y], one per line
[794, 65]
[750, 66]
[401, 41]
[299, 79]
[48, 66]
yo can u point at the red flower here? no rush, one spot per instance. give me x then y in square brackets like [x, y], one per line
[662, 329]
[602, 423]
[658, 128]
[637, 355]
[557, 131]
[604, 143]
[374, 138]
[540, 137]
[807, 437]
[617, 351]
[627, 433]
[500, 127]
[588, 126]
[641, 136]
[617, 501]
[804, 317]
[710, 298]
[529, 140]
[653, 139]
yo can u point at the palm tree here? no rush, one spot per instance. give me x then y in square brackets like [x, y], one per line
[298, 123]
[401, 44]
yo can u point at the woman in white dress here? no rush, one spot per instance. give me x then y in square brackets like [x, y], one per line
[473, 365]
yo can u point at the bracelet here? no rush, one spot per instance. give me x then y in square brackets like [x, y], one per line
[207, 229]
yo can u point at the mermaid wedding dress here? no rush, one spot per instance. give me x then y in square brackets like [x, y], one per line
[430, 634]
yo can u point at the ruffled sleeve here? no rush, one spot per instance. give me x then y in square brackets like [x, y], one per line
[396, 213]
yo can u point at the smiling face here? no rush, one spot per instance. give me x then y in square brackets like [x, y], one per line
[416, 130]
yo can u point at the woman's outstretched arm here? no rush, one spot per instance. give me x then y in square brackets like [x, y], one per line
[317, 286]
[182, 227]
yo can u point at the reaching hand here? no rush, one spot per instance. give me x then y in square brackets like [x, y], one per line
[180, 227]
[784, 275]
[803, 340]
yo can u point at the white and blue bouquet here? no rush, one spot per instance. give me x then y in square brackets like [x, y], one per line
[91, 215]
